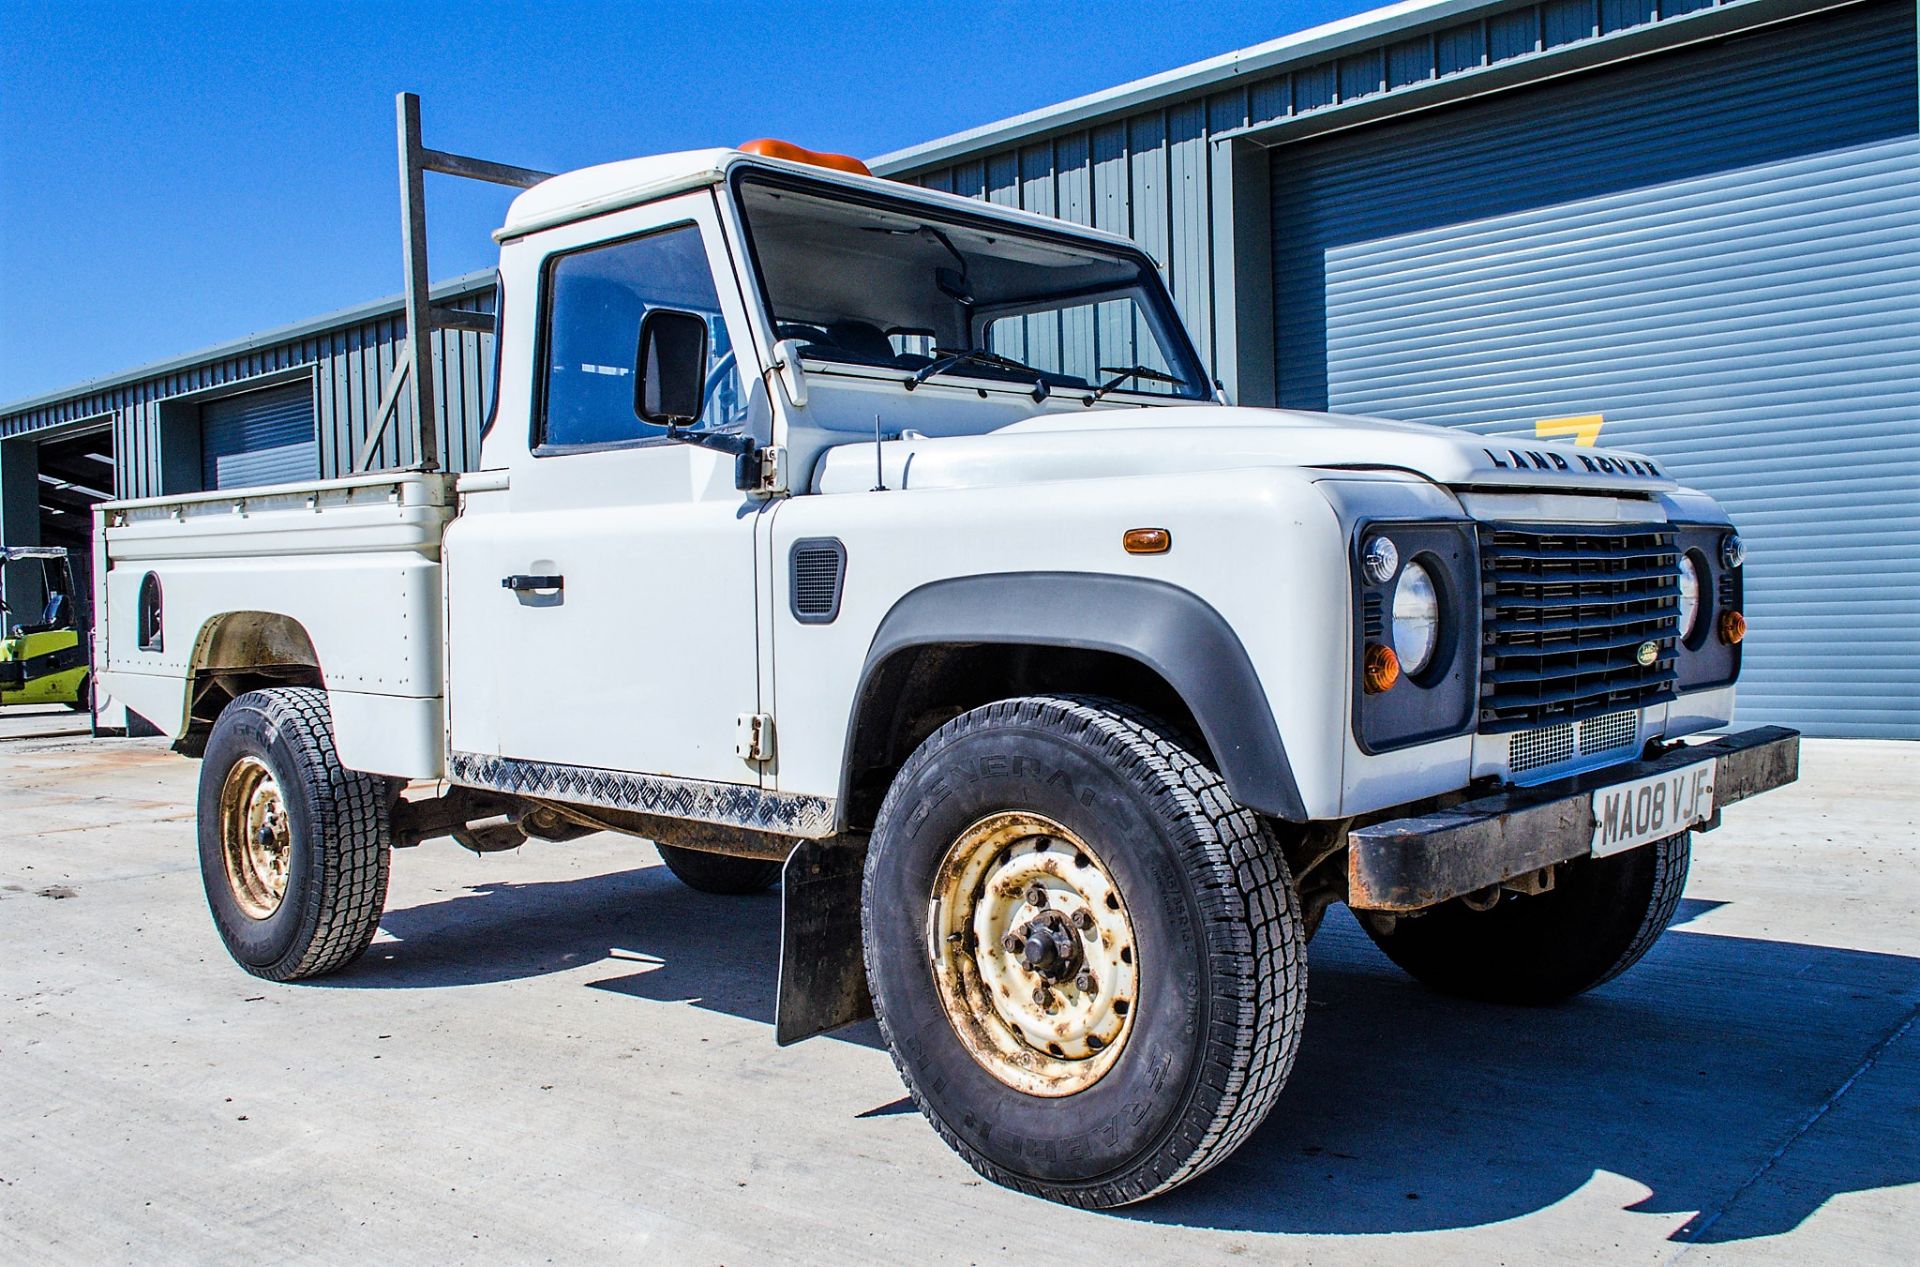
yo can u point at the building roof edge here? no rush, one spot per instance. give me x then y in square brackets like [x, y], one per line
[1300, 46]
[466, 284]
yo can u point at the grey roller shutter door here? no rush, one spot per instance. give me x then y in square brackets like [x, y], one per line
[1718, 251]
[263, 437]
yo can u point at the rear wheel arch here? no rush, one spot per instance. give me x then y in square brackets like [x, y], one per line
[956, 644]
[240, 651]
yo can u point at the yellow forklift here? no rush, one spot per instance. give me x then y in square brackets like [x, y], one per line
[43, 651]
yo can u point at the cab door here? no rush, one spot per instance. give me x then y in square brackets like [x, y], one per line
[602, 603]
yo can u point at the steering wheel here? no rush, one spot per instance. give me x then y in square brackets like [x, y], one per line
[723, 370]
[803, 333]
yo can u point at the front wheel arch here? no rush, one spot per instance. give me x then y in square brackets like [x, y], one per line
[1165, 634]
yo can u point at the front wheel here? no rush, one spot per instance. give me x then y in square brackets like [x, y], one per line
[293, 847]
[1600, 917]
[1087, 959]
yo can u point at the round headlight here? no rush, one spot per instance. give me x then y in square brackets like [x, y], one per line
[1689, 595]
[1733, 551]
[1381, 559]
[1416, 619]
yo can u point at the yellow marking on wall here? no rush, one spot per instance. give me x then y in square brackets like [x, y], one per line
[1584, 429]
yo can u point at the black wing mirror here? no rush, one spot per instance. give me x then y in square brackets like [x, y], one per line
[670, 368]
[670, 388]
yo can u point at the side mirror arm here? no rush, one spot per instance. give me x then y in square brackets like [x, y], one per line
[745, 450]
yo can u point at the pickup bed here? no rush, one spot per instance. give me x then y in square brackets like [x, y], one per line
[350, 564]
[896, 548]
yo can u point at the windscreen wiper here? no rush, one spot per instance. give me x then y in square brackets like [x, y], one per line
[1130, 372]
[950, 357]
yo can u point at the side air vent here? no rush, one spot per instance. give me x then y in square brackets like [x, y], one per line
[819, 571]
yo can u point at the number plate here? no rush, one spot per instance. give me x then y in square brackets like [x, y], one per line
[1627, 815]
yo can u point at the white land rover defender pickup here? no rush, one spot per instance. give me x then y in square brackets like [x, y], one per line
[896, 547]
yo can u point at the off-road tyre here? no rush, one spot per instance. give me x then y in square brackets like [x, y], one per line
[1222, 950]
[718, 872]
[338, 825]
[1600, 917]
[82, 701]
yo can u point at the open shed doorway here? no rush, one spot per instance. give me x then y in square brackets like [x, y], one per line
[76, 474]
[53, 484]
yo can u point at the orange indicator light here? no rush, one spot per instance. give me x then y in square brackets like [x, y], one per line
[1382, 669]
[1147, 540]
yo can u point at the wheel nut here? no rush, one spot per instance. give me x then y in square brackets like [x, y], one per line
[1040, 996]
[1011, 944]
[1081, 919]
[1084, 982]
[1036, 896]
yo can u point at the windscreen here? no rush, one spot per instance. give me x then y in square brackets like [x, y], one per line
[894, 285]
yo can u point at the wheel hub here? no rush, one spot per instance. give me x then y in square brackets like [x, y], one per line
[256, 842]
[1048, 946]
[1034, 955]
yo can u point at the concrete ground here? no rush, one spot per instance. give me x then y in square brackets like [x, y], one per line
[560, 1055]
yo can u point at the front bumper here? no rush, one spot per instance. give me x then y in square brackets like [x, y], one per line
[1410, 863]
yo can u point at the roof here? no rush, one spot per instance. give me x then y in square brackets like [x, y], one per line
[592, 191]
[606, 186]
[1182, 81]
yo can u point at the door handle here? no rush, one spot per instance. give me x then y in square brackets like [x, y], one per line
[521, 584]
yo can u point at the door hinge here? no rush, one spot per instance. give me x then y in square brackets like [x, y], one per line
[773, 470]
[753, 738]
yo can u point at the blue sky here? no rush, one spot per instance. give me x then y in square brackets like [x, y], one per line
[173, 176]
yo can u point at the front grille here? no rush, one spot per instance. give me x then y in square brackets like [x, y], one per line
[1531, 749]
[1605, 734]
[1566, 609]
[1553, 745]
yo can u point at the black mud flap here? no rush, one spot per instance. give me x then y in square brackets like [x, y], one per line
[823, 980]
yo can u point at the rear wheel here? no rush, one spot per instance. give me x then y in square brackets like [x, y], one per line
[293, 848]
[719, 872]
[82, 701]
[1600, 917]
[1087, 959]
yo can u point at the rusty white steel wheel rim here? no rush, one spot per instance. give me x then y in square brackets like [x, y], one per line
[1034, 957]
[255, 841]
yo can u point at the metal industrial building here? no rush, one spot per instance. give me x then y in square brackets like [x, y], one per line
[1689, 228]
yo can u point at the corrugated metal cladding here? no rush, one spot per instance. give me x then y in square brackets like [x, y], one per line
[1717, 250]
[1162, 176]
[1148, 177]
[343, 364]
[263, 437]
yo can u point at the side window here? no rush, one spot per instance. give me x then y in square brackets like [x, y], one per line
[595, 300]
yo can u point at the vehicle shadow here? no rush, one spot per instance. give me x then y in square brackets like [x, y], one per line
[1708, 1074]
[718, 953]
